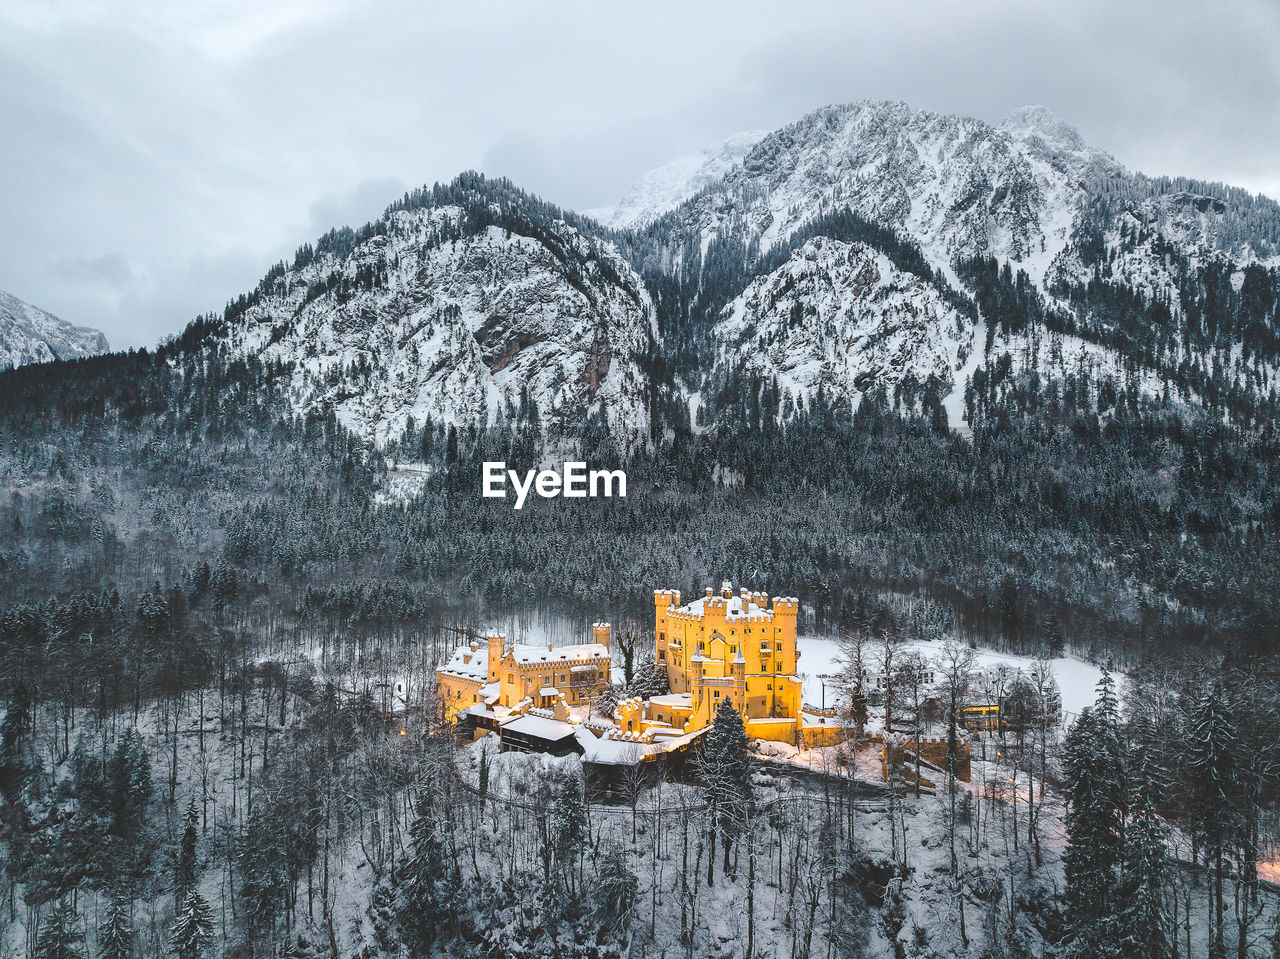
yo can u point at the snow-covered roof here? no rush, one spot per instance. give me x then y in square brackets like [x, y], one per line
[540, 654]
[468, 663]
[672, 699]
[552, 730]
[608, 751]
[740, 607]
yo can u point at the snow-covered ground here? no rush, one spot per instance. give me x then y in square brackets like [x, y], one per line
[820, 659]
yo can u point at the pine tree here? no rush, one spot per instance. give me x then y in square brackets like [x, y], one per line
[187, 867]
[115, 936]
[1096, 801]
[192, 928]
[430, 879]
[568, 830]
[60, 936]
[1212, 767]
[725, 770]
[615, 891]
[1141, 894]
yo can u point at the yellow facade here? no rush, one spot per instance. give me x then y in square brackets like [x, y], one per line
[511, 678]
[726, 646]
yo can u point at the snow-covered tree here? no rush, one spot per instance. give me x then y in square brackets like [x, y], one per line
[1141, 919]
[192, 928]
[724, 768]
[60, 935]
[615, 891]
[115, 935]
[1096, 801]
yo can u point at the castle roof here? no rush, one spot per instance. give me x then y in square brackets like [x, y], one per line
[525, 655]
[468, 663]
[736, 609]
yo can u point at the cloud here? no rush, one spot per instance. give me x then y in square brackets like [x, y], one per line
[109, 270]
[354, 207]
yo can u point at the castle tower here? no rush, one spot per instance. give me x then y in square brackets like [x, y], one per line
[497, 646]
[600, 633]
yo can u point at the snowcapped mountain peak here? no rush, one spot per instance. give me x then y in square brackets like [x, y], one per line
[670, 184]
[28, 334]
[1043, 122]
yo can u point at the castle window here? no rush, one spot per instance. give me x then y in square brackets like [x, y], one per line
[662, 637]
[733, 649]
[717, 694]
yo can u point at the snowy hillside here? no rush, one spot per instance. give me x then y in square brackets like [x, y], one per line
[841, 316]
[30, 335]
[866, 245]
[438, 313]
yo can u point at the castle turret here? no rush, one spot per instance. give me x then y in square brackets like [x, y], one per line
[600, 633]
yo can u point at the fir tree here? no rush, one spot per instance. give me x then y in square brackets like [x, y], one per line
[615, 891]
[1141, 922]
[60, 936]
[725, 770]
[430, 879]
[1096, 800]
[568, 830]
[192, 928]
[1212, 768]
[115, 935]
[187, 867]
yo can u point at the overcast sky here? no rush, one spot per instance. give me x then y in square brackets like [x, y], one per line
[157, 157]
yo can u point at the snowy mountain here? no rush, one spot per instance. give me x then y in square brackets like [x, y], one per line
[864, 246]
[464, 304]
[30, 335]
[1029, 193]
[675, 181]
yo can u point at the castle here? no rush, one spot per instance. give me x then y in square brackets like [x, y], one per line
[739, 647]
[731, 646]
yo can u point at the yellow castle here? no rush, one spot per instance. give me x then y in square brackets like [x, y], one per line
[724, 646]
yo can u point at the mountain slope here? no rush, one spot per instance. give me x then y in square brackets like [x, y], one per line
[865, 246]
[465, 304]
[1175, 278]
[841, 317]
[30, 335]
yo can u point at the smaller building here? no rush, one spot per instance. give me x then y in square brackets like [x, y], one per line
[539, 734]
[504, 678]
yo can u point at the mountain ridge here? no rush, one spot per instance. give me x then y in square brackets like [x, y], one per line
[1032, 253]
